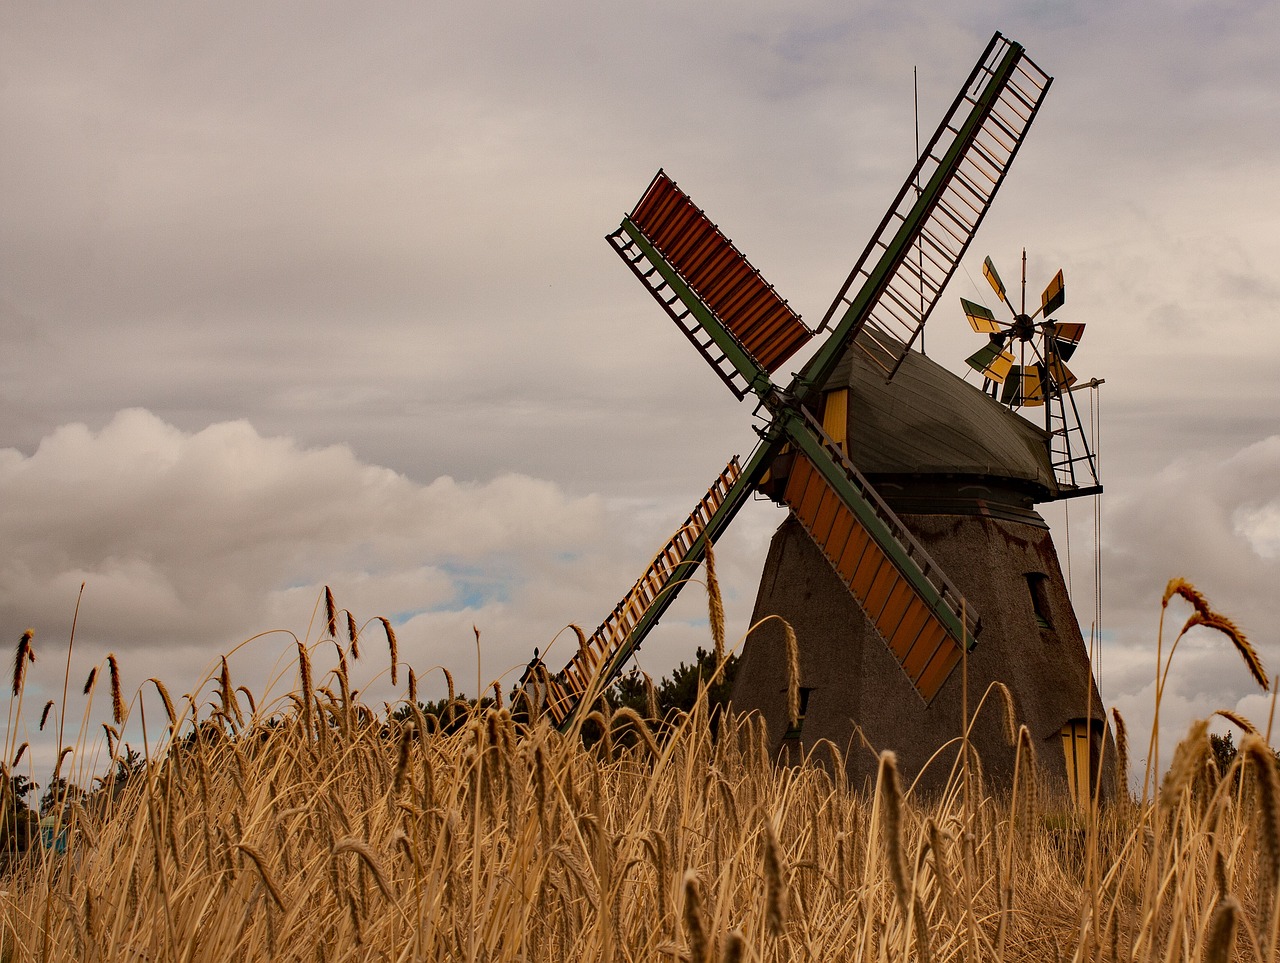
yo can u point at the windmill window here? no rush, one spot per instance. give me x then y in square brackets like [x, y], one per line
[794, 731]
[1037, 585]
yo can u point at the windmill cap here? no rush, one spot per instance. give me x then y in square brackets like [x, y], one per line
[928, 421]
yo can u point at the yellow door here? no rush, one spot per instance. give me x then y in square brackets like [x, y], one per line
[1075, 745]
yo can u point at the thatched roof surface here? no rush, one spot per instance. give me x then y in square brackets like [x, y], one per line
[928, 421]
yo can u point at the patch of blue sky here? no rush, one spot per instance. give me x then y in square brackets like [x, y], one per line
[698, 623]
[400, 618]
[475, 587]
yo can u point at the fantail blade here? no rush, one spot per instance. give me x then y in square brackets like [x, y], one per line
[989, 272]
[1065, 335]
[992, 362]
[1054, 296]
[980, 318]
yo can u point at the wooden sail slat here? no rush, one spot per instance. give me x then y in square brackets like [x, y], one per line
[909, 627]
[716, 271]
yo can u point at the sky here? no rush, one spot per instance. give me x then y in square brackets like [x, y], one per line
[307, 294]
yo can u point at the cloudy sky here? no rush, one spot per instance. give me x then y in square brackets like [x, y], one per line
[296, 294]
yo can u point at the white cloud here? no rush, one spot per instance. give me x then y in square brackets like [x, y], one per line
[190, 543]
[1186, 521]
[183, 536]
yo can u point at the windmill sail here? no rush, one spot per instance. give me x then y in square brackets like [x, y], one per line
[735, 318]
[598, 661]
[897, 281]
[918, 612]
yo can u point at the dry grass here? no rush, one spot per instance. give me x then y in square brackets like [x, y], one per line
[314, 829]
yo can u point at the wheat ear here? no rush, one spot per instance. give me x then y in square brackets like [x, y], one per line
[891, 807]
[394, 645]
[21, 656]
[715, 605]
[117, 698]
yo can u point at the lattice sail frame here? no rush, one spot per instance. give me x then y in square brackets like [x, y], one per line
[745, 331]
[940, 206]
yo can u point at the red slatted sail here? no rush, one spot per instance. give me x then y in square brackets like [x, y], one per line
[741, 299]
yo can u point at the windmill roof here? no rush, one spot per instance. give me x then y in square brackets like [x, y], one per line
[928, 421]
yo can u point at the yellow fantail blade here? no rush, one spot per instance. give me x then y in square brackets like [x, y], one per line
[980, 318]
[1055, 295]
[991, 362]
[989, 272]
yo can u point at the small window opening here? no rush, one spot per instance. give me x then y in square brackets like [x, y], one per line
[1039, 589]
[794, 731]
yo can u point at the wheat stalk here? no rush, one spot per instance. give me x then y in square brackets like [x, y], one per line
[1221, 623]
[695, 927]
[23, 654]
[1221, 939]
[330, 614]
[394, 645]
[715, 605]
[891, 814]
[117, 697]
[775, 888]
[1122, 753]
[793, 673]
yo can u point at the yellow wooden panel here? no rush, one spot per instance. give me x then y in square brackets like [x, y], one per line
[872, 561]
[834, 545]
[926, 645]
[854, 549]
[878, 594]
[1075, 747]
[904, 636]
[807, 508]
[801, 472]
[895, 608]
[827, 511]
[835, 417]
[944, 660]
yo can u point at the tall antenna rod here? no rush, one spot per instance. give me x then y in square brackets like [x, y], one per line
[1024, 280]
[915, 88]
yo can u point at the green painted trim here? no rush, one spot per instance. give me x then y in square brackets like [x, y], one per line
[819, 368]
[804, 439]
[757, 378]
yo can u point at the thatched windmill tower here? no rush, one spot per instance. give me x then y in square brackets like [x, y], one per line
[963, 473]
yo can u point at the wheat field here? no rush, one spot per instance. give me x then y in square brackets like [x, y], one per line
[318, 829]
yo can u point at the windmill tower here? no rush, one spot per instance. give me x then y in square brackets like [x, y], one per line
[747, 332]
[963, 473]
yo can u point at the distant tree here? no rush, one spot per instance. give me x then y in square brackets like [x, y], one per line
[1224, 751]
[17, 820]
[59, 793]
[21, 787]
[127, 766]
[679, 690]
[449, 716]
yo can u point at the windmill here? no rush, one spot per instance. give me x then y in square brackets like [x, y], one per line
[746, 332]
